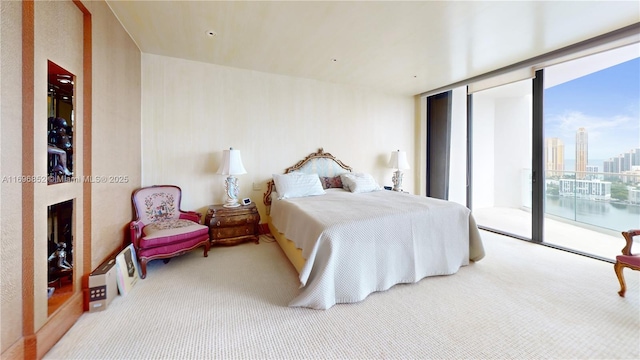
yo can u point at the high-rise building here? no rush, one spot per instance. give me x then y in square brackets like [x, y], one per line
[635, 157]
[554, 157]
[593, 172]
[582, 153]
[626, 161]
[618, 163]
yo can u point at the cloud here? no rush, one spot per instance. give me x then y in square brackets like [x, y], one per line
[570, 121]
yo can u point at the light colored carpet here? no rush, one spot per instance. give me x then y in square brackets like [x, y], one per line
[521, 301]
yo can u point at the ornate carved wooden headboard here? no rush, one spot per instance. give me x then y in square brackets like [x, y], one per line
[320, 162]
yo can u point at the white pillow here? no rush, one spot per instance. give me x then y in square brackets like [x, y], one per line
[297, 184]
[360, 182]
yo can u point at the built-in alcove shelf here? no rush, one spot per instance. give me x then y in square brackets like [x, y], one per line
[60, 124]
[60, 260]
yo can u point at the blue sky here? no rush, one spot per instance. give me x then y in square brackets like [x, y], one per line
[606, 103]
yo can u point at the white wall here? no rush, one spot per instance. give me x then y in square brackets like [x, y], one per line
[115, 142]
[11, 251]
[512, 148]
[191, 111]
[483, 151]
[502, 144]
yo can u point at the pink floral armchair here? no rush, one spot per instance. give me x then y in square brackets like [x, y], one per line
[161, 229]
[627, 259]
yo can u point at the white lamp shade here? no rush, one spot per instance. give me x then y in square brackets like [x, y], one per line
[398, 160]
[231, 163]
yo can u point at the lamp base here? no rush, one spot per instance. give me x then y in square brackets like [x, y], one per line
[397, 180]
[231, 202]
[231, 188]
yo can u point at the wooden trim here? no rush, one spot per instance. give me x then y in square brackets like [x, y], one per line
[15, 351]
[87, 141]
[61, 321]
[316, 155]
[28, 58]
[81, 6]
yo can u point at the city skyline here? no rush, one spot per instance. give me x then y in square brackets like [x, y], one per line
[606, 103]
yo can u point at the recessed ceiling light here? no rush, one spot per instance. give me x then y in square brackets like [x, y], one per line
[64, 79]
[212, 33]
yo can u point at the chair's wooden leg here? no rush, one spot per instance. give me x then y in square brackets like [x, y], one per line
[207, 246]
[143, 268]
[618, 267]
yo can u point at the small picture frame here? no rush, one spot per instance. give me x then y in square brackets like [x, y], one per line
[246, 201]
[126, 269]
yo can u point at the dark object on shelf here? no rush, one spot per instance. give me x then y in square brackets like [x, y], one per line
[60, 244]
[59, 148]
[59, 257]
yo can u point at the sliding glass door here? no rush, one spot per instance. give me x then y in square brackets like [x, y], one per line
[554, 159]
[592, 151]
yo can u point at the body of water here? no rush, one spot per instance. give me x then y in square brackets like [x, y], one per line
[609, 215]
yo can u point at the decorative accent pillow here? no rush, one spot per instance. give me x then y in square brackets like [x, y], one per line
[331, 182]
[343, 179]
[297, 184]
[360, 182]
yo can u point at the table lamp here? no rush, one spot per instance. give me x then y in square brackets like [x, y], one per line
[231, 165]
[398, 161]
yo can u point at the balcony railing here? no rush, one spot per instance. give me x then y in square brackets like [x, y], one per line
[607, 200]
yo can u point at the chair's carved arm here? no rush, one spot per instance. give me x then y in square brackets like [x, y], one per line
[190, 215]
[628, 236]
[135, 228]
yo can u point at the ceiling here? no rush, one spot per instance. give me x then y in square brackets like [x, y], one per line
[396, 47]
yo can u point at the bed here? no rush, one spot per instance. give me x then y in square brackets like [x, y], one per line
[349, 238]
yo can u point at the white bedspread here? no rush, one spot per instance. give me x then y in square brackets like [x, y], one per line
[356, 244]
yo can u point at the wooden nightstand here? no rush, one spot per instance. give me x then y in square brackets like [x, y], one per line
[231, 226]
